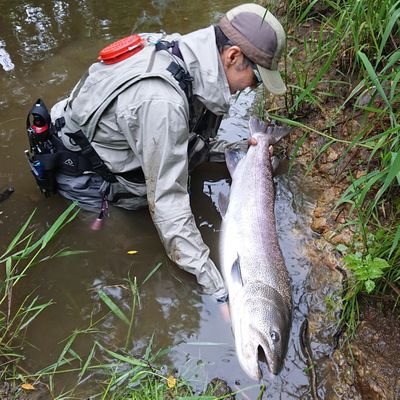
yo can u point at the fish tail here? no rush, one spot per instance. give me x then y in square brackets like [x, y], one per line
[275, 132]
[256, 125]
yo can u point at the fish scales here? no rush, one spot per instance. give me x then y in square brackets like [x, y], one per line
[252, 263]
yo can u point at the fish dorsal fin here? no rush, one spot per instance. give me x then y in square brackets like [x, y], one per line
[236, 273]
[232, 158]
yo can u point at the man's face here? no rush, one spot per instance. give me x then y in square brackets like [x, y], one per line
[240, 74]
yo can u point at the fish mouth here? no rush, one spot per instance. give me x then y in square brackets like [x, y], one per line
[262, 359]
[262, 352]
[257, 359]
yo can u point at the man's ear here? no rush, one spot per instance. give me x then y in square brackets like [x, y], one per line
[232, 55]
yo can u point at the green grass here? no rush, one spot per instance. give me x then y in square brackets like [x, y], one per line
[20, 257]
[343, 64]
[116, 373]
[101, 372]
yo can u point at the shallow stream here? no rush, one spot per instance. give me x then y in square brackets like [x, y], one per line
[45, 46]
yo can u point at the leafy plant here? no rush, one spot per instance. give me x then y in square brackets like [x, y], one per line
[366, 270]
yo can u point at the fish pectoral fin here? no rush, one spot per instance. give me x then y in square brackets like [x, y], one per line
[233, 156]
[223, 203]
[236, 273]
[274, 163]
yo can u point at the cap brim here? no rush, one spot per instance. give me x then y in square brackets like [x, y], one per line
[272, 80]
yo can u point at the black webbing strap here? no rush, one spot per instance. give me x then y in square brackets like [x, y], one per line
[59, 123]
[89, 152]
[183, 78]
[178, 72]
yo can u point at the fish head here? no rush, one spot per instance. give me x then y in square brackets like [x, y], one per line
[262, 331]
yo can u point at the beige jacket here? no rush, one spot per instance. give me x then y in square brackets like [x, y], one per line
[146, 125]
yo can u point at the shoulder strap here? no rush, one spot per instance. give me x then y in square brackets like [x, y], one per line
[183, 77]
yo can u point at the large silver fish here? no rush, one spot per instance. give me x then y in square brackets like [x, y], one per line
[252, 263]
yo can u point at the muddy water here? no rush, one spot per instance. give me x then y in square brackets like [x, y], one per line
[45, 46]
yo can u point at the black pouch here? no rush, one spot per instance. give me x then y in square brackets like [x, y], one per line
[41, 156]
[47, 155]
[44, 173]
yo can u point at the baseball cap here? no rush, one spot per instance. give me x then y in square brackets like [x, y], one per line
[262, 39]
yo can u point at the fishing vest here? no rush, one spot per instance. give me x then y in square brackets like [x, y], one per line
[61, 144]
[102, 84]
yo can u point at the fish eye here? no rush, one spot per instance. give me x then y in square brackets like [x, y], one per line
[275, 336]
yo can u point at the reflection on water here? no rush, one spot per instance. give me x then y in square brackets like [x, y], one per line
[5, 59]
[50, 44]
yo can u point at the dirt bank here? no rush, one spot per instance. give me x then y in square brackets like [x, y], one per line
[369, 366]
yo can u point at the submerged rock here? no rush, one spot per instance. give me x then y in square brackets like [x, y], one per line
[6, 193]
[218, 387]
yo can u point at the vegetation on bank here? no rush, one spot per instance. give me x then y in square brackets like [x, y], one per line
[23, 253]
[343, 66]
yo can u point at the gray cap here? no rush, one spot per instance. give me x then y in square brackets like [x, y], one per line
[262, 39]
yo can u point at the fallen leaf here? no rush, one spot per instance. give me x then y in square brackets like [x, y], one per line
[28, 386]
[171, 382]
[132, 251]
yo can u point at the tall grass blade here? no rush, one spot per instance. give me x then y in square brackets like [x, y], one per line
[87, 362]
[17, 237]
[113, 307]
[33, 311]
[395, 17]
[152, 272]
[395, 243]
[125, 359]
[62, 359]
[392, 174]
[375, 81]
[61, 221]
[305, 13]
